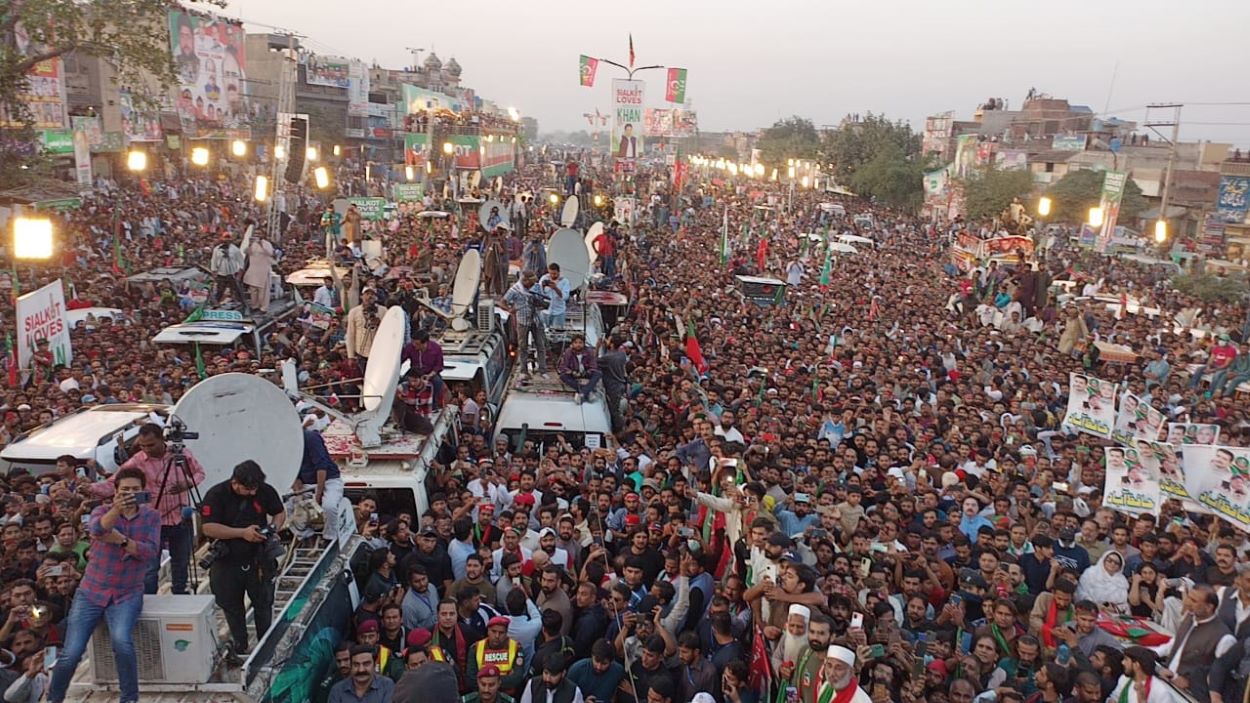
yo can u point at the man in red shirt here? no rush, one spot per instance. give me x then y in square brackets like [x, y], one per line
[1222, 354]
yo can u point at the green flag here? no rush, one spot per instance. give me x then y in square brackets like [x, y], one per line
[199, 362]
[827, 269]
[724, 240]
[195, 316]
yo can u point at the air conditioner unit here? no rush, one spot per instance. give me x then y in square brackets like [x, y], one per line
[486, 316]
[175, 642]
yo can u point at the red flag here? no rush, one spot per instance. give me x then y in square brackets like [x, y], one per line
[759, 671]
[694, 350]
[1123, 303]
[761, 254]
[631, 49]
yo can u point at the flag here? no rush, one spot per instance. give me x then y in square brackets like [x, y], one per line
[119, 258]
[694, 350]
[631, 49]
[826, 271]
[761, 254]
[199, 362]
[1123, 304]
[676, 92]
[759, 670]
[724, 239]
[195, 316]
[10, 353]
[588, 66]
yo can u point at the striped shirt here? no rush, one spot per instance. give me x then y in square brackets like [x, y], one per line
[114, 576]
[174, 499]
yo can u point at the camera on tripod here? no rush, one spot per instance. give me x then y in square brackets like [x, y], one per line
[176, 432]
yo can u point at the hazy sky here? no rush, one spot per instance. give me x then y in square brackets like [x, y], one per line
[752, 62]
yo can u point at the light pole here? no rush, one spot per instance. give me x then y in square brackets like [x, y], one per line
[32, 241]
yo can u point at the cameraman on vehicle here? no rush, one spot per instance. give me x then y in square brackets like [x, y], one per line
[170, 487]
[237, 514]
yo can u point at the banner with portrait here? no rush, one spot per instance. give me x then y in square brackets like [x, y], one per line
[1165, 461]
[1091, 405]
[357, 89]
[627, 118]
[1181, 433]
[1136, 420]
[211, 64]
[1219, 479]
[1132, 484]
[138, 125]
[328, 71]
[43, 93]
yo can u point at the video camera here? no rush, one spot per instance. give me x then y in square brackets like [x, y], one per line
[272, 548]
[176, 432]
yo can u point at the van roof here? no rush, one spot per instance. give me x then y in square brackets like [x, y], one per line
[551, 410]
[78, 433]
[213, 332]
[341, 443]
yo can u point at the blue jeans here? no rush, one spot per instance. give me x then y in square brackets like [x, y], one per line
[584, 386]
[178, 540]
[80, 624]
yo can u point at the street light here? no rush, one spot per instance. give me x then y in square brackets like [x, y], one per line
[448, 148]
[555, 199]
[759, 170]
[322, 177]
[199, 156]
[262, 188]
[409, 172]
[512, 113]
[804, 181]
[239, 148]
[32, 238]
[598, 200]
[279, 151]
[310, 153]
[338, 150]
[1043, 207]
[1161, 230]
[1095, 217]
[137, 160]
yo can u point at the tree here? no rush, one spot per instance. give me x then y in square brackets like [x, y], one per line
[855, 144]
[791, 138]
[132, 35]
[1210, 288]
[891, 178]
[1078, 191]
[989, 191]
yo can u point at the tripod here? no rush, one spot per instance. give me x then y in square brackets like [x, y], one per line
[184, 550]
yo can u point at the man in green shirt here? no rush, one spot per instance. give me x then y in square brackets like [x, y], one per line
[488, 682]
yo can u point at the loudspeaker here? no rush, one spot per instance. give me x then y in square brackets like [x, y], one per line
[297, 150]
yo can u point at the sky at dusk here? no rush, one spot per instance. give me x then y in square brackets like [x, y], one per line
[751, 63]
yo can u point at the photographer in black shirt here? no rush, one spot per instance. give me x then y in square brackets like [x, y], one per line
[237, 513]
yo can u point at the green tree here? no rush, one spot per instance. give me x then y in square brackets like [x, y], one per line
[891, 178]
[855, 144]
[989, 191]
[132, 35]
[791, 138]
[1210, 288]
[1078, 191]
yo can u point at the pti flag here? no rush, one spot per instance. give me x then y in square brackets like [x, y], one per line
[589, 66]
[676, 92]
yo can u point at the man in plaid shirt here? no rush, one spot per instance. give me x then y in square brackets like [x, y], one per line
[169, 488]
[519, 301]
[125, 537]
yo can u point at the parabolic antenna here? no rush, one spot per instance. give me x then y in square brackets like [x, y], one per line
[382, 371]
[569, 215]
[238, 417]
[591, 235]
[468, 276]
[492, 214]
[568, 249]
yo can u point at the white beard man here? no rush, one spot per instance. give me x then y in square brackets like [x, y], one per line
[793, 640]
[840, 685]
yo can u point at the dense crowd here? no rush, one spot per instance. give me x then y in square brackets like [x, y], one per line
[863, 492]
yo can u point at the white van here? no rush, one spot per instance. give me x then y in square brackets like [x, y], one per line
[546, 408]
[100, 433]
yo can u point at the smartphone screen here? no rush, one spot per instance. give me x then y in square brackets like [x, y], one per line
[857, 620]
[49, 658]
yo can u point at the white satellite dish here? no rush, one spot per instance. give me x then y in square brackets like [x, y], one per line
[468, 277]
[591, 235]
[569, 215]
[568, 249]
[492, 209]
[238, 417]
[381, 378]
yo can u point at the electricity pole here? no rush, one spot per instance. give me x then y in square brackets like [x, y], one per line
[1175, 124]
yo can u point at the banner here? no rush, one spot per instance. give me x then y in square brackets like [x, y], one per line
[1165, 460]
[357, 89]
[211, 64]
[318, 316]
[658, 122]
[44, 92]
[627, 124]
[415, 149]
[138, 126]
[408, 192]
[418, 99]
[1180, 433]
[369, 208]
[1011, 160]
[935, 182]
[82, 160]
[1234, 199]
[1219, 478]
[675, 92]
[1091, 405]
[1112, 190]
[41, 315]
[586, 69]
[328, 71]
[1062, 143]
[1136, 420]
[1130, 486]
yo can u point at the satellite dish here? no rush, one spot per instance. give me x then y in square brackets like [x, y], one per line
[569, 215]
[468, 276]
[238, 417]
[381, 378]
[591, 235]
[568, 249]
[492, 210]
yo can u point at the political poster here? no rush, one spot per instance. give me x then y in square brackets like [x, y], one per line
[627, 118]
[659, 122]
[1136, 420]
[319, 316]
[1180, 433]
[40, 316]
[211, 65]
[44, 92]
[408, 192]
[82, 160]
[1219, 479]
[1234, 199]
[138, 125]
[1091, 405]
[328, 71]
[1165, 461]
[357, 89]
[1131, 485]
[1113, 183]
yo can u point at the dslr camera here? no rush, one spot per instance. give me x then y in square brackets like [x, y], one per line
[271, 549]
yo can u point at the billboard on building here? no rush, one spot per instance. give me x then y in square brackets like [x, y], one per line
[1061, 142]
[44, 92]
[937, 133]
[357, 89]
[328, 71]
[627, 119]
[1113, 183]
[138, 125]
[211, 64]
[1234, 199]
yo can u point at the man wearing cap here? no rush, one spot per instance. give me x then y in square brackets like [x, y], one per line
[430, 554]
[793, 637]
[511, 545]
[384, 659]
[488, 684]
[838, 683]
[225, 265]
[547, 539]
[422, 639]
[501, 651]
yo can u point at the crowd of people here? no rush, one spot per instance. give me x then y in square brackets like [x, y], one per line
[861, 492]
